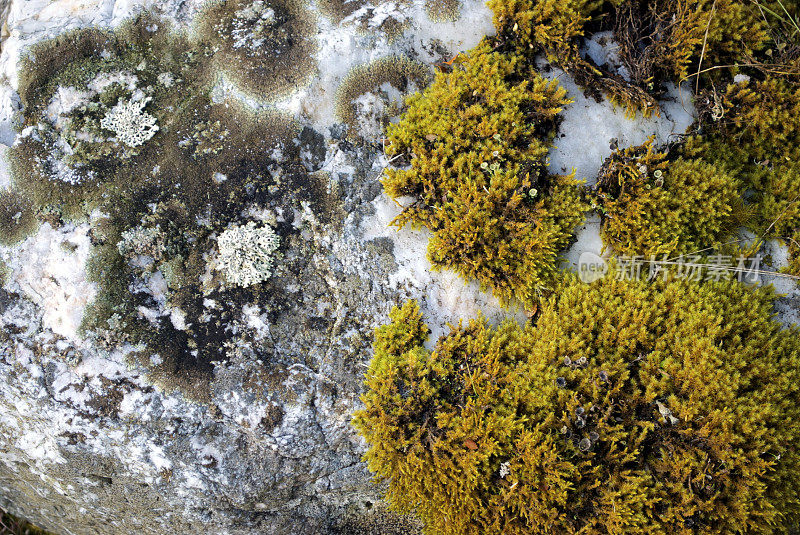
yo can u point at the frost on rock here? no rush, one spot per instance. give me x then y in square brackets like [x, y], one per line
[251, 24]
[245, 253]
[132, 125]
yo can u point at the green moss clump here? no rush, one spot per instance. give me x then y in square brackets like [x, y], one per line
[17, 218]
[556, 28]
[653, 205]
[667, 39]
[627, 408]
[659, 40]
[751, 132]
[265, 47]
[476, 140]
[403, 74]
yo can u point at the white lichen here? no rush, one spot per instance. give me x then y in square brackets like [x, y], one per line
[142, 241]
[246, 253]
[131, 124]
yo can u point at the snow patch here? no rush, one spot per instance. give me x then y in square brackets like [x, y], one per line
[50, 269]
[444, 296]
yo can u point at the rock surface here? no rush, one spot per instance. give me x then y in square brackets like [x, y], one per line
[93, 440]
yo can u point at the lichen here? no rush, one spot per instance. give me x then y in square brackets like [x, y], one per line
[246, 253]
[130, 123]
[628, 407]
[389, 78]
[264, 47]
[17, 218]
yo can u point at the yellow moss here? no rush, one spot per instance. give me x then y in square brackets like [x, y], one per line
[659, 40]
[754, 134]
[476, 140]
[651, 205]
[628, 408]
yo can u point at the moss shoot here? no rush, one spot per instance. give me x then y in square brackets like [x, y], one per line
[653, 205]
[659, 40]
[627, 408]
[476, 140]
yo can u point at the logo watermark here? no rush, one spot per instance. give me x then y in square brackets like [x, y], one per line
[747, 269]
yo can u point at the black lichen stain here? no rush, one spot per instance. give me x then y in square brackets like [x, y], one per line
[157, 209]
[188, 208]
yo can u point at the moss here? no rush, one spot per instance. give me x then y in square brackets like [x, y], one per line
[755, 136]
[476, 140]
[443, 10]
[17, 218]
[344, 12]
[651, 204]
[264, 47]
[627, 408]
[794, 254]
[659, 40]
[555, 28]
[374, 519]
[672, 40]
[751, 132]
[69, 59]
[404, 75]
[378, 18]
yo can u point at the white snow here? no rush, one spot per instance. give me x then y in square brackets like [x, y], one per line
[590, 127]
[444, 296]
[49, 268]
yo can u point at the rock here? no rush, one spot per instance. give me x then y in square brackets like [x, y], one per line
[112, 438]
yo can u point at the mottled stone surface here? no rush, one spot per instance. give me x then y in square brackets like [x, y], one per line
[111, 440]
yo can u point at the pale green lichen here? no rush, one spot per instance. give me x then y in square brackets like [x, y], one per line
[130, 123]
[246, 253]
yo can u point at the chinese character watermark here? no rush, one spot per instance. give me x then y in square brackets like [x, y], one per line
[592, 267]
